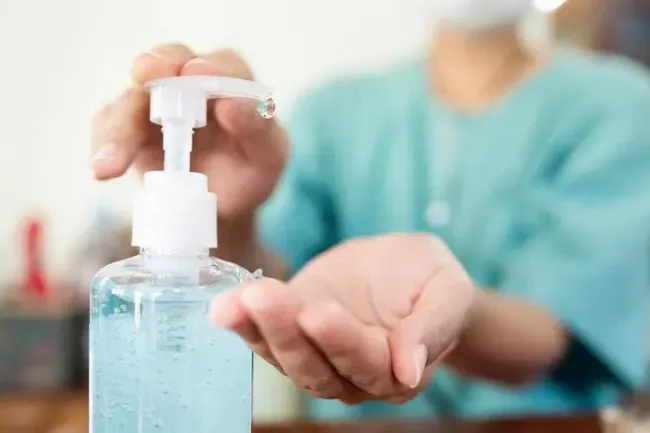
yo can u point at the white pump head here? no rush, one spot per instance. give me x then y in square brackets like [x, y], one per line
[175, 211]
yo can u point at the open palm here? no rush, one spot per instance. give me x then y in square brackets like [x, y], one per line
[367, 319]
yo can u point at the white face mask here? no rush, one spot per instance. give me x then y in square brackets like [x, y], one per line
[478, 14]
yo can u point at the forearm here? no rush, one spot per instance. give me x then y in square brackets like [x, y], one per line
[239, 243]
[508, 341]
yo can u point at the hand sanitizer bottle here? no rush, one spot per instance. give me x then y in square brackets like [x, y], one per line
[156, 363]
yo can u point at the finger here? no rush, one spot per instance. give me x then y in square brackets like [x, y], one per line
[261, 140]
[411, 393]
[224, 63]
[358, 352]
[274, 308]
[162, 61]
[430, 332]
[231, 64]
[122, 129]
[226, 311]
[119, 132]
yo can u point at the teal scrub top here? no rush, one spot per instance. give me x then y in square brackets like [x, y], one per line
[544, 196]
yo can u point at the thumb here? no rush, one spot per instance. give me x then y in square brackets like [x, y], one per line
[426, 336]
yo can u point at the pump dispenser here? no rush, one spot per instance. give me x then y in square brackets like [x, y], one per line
[156, 363]
[175, 210]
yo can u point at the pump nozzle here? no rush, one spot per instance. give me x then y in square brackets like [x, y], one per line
[179, 105]
[175, 209]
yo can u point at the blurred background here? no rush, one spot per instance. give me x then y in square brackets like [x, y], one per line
[62, 60]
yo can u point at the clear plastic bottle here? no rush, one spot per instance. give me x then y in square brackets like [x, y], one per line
[156, 363]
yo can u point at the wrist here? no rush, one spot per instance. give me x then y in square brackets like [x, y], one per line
[472, 329]
[476, 314]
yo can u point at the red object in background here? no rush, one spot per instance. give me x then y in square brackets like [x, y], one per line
[34, 283]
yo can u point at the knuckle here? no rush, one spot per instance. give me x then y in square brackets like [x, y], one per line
[324, 387]
[368, 383]
[376, 385]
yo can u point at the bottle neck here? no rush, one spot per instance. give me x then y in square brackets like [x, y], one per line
[179, 254]
[185, 263]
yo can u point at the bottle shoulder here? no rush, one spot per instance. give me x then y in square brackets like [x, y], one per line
[139, 270]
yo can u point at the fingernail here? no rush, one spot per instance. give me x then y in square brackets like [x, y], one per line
[105, 153]
[420, 360]
[204, 67]
[198, 61]
[154, 54]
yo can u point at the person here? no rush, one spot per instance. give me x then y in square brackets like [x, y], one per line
[623, 27]
[481, 214]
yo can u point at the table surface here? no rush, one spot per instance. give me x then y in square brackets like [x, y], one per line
[58, 413]
[587, 424]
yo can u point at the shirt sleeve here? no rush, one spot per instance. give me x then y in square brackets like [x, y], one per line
[297, 221]
[588, 264]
